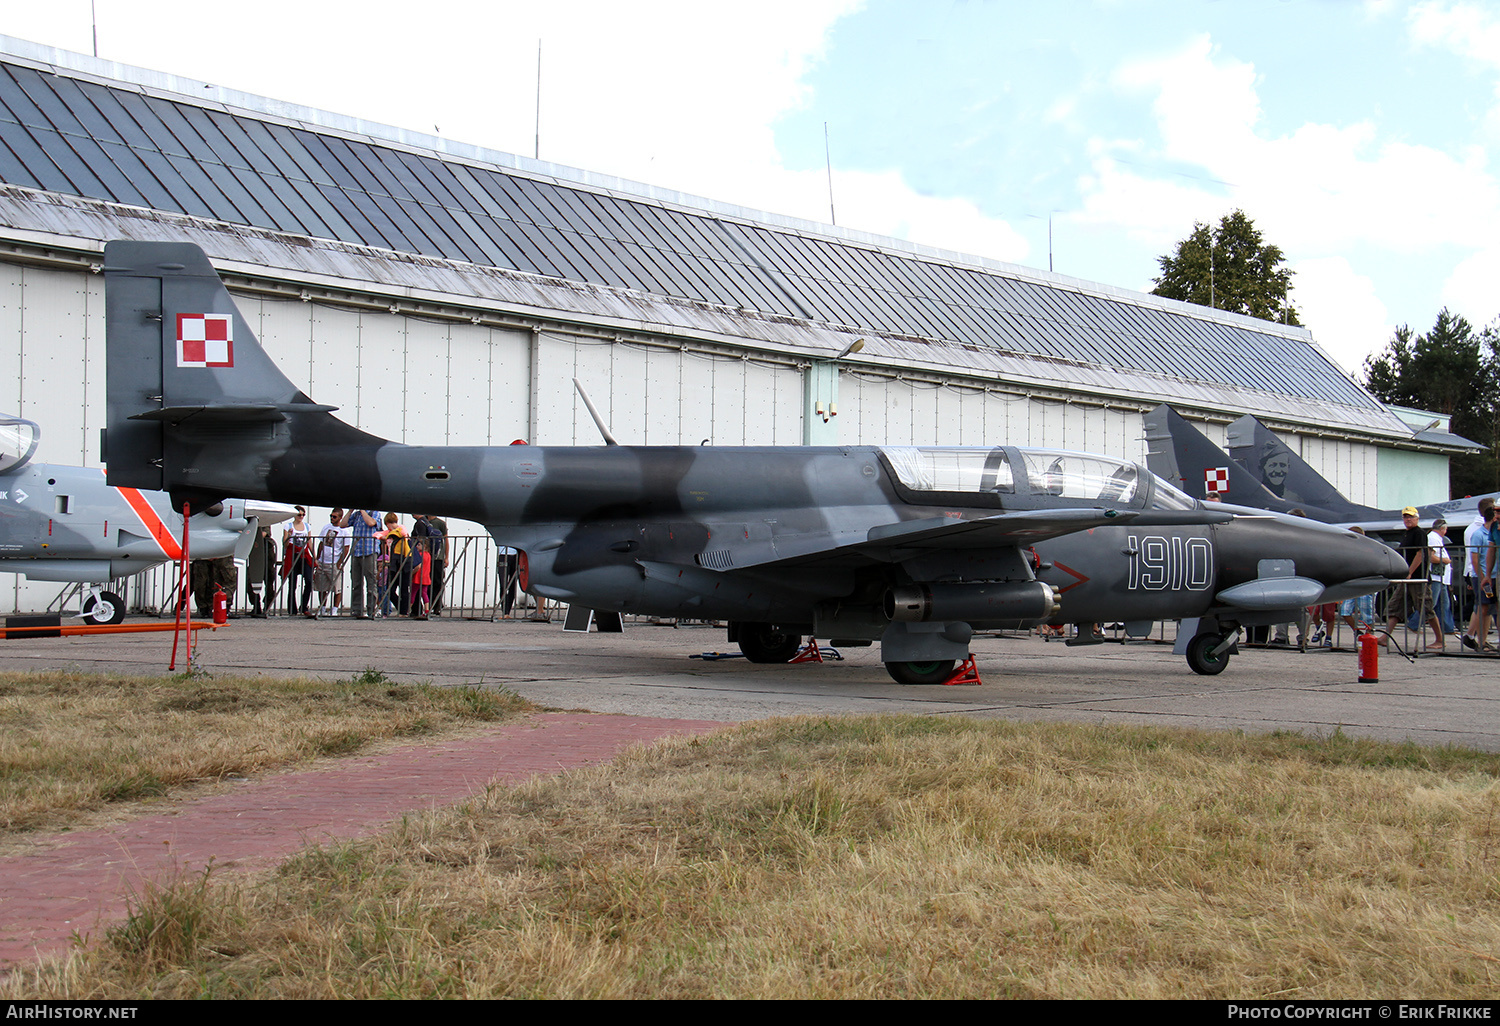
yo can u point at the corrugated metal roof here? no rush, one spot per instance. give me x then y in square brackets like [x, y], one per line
[85, 136]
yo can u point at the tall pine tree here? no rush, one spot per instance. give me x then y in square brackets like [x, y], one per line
[1454, 370]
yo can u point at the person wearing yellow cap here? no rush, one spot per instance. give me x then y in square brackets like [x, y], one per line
[1413, 598]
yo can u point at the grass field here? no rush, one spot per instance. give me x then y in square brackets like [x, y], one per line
[72, 744]
[876, 857]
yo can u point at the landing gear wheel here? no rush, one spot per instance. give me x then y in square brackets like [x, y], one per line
[933, 671]
[104, 609]
[1201, 658]
[764, 643]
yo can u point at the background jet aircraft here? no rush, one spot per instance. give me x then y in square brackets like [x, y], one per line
[1262, 472]
[1255, 448]
[66, 525]
[914, 547]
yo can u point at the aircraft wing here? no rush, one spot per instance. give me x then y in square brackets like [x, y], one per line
[890, 543]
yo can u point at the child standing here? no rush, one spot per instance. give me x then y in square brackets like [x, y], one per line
[421, 578]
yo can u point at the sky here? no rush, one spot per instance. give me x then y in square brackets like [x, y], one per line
[1084, 135]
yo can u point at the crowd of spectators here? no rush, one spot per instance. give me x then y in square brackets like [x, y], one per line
[391, 570]
[1436, 604]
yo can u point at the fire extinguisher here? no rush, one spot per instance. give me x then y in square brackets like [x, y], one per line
[1369, 659]
[221, 605]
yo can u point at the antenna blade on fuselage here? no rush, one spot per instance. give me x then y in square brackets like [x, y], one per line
[609, 439]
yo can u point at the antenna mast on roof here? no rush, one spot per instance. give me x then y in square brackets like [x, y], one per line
[828, 161]
[537, 154]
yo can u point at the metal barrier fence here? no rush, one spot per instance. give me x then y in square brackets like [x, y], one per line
[473, 586]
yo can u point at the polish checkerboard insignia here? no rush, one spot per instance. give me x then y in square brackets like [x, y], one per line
[1216, 479]
[205, 340]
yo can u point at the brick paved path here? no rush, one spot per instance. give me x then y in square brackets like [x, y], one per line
[81, 882]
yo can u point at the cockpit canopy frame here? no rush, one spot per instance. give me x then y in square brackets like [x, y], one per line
[1015, 477]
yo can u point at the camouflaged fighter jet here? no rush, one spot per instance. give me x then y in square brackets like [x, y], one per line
[66, 525]
[914, 547]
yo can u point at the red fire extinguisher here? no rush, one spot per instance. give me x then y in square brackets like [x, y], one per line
[1369, 659]
[221, 605]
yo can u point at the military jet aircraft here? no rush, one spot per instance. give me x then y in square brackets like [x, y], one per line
[66, 525]
[1261, 471]
[916, 547]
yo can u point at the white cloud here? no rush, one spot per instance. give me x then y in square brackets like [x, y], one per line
[1323, 193]
[1341, 308]
[1467, 29]
[1321, 187]
[1471, 289]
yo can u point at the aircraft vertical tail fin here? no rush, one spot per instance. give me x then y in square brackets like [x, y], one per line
[195, 406]
[1256, 448]
[1184, 456]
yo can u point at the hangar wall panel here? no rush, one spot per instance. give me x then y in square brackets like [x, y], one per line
[558, 407]
[285, 333]
[1349, 466]
[629, 396]
[969, 423]
[382, 376]
[1216, 433]
[664, 391]
[55, 361]
[427, 393]
[787, 420]
[727, 402]
[471, 368]
[886, 411]
[336, 375]
[1017, 423]
[925, 411]
[760, 405]
[93, 381]
[508, 412]
[12, 330]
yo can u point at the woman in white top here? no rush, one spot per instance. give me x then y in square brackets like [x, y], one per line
[297, 564]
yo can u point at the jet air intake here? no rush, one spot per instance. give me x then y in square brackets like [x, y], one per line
[996, 600]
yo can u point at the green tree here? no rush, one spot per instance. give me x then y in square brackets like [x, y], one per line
[1229, 268]
[1454, 370]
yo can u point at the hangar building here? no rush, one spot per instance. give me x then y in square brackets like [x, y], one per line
[439, 292]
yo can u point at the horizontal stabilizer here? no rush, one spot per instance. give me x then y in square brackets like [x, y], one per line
[231, 412]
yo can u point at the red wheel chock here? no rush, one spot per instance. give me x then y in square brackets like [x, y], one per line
[968, 673]
[810, 653]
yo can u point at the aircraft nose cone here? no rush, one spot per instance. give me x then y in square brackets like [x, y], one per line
[1393, 566]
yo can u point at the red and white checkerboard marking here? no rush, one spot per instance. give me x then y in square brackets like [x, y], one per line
[205, 340]
[1216, 479]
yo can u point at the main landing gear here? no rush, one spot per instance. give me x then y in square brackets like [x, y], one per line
[766, 643]
[932, 671]
[772, 643]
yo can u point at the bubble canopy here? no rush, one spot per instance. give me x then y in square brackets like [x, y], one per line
[18, 442]
[1048, 476]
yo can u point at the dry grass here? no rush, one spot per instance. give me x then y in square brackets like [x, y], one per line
[877, 857]
[70, 743]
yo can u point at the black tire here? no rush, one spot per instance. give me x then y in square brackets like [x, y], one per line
[764, 643]
[1201, 658]
[104, 610]
[933, 671]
